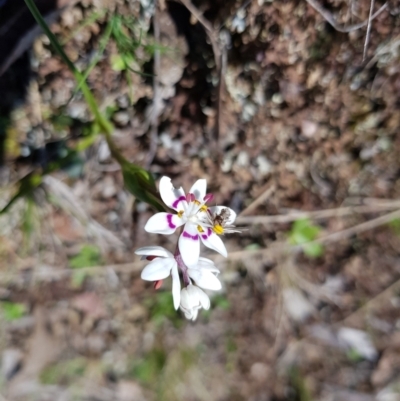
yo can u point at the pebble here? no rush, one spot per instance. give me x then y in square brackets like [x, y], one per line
[10, 361]
[264, 166]
[121, 118]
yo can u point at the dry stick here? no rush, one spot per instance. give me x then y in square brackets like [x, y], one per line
[320, 214]
[381, 296]
[220, 57]
[221, 70]
[274, 250]
[156, 92]
[329, 18]
[368, 34]
[349, 232]
[280, 247]
[395, 42]
[258, 201]
[50, 274]
[210, 31]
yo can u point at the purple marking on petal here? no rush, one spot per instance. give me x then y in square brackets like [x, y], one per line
[208, 198]
[176, 203]
[207, 234]
[193, 237]
[170, 223]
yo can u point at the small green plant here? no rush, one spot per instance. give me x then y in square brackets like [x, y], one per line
[220, 301]
[161, 307]
[299, 385]
[12, 311]
[395, 226]
[148, 370]
[302, 233]
[88, 256]
[63, 373]
[354, 356]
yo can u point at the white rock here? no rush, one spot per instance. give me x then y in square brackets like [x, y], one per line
[296, 304]
[10, 360]
[358, 340]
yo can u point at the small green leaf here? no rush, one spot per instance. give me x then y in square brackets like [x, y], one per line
[303, 232]
[148, 369]
[252, 247]
[88, 256]
[221, 301]
[78, 278]
[13, 311]
[354, 356]
[64, 372]
[313, 250]
[395, 226]
[118, 63]
[140, 183]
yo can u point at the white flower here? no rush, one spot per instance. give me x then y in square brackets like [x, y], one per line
[193, 299]
[163, 263]
[160, 268]
[199, 220]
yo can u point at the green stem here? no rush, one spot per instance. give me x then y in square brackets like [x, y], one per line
[138, 181]
[105, 125]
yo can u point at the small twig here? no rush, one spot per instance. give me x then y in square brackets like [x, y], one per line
[220, 58]
[368, 34]
[210, 31]
[381, 296]
[253, 205]
[51, 274]
[276, 249]
[220, 93]
[329, 18]
[359, 228]
[155, 112]
[394, 42]
[320, 214]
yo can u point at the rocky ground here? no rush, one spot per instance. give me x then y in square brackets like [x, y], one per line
[306, 118]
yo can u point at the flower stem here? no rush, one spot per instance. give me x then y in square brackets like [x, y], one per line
[183, 268]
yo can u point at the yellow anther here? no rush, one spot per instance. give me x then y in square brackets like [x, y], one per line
[203, 208]
[200, 229]
[196, 202]
[218, 229]
[180, 213]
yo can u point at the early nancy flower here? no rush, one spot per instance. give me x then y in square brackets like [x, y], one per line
[163, 263]
[193, 299]
[200, 222]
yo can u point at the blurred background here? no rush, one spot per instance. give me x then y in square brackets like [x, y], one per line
[291, 111]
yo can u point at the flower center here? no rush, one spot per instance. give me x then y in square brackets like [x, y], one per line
[218, 229]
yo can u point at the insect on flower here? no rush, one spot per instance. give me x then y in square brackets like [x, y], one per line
[220, 222]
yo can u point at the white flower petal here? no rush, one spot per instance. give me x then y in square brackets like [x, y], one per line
[199, 189]
[163, 223]
[174, 198]
[189, 245]
[195, 312]
[205, 279]
[203, 298]
[158, 269]
[204, 260]
[186, 300]
[176, 286]
[213, 241]
[218, 209]
[206, 264]
[154, 251]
